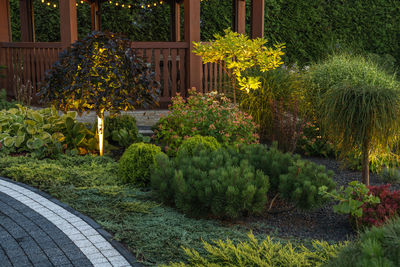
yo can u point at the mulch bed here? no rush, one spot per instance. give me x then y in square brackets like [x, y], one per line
[322, 224]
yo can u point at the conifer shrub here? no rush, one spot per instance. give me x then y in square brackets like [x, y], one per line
[357, 104]
[233, 181]
[268, 252]
[120, 130]
[377, 246]
[270, 160]
[217, 183]
[301, 184]
[135, 164]
[198, 142]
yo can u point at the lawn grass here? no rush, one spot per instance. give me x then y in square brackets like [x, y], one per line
[153, 232]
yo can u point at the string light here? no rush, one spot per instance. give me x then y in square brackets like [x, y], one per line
[117, 3]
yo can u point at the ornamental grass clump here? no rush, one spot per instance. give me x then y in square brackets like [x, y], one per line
[358, 106]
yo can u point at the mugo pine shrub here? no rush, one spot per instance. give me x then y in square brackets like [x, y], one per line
[196, 143]
[296, 181]
[301, 184]
[217, 183]
[136, 163]
[234, 181]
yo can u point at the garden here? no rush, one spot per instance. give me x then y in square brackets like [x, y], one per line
[292, 166]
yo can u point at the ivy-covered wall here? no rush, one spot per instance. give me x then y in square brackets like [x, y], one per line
[310, 28]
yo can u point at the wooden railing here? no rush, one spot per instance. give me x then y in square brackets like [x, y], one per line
[168, 60]
[215, 78]
[26, 62]
[29, 62]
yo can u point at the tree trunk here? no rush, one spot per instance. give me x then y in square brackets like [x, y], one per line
[100, 130]
[365, 163]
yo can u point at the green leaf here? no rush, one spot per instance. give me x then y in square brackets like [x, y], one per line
[9, 141]
[19, 140]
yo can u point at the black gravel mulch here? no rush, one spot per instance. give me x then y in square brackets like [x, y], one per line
[322, 224]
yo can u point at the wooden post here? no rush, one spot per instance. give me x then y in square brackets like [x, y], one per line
[257, 18]
[68, 22]
[192, 34]
[175, 21]
[5, 22]
[239, 16]
[95, 12]
[27, 21]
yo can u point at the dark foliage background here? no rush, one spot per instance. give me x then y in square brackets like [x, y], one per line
[310, 28]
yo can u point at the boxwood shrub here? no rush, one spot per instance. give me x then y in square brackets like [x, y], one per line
[136, 162]
[198, 142]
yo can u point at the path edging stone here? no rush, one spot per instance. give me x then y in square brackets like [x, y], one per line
[106, 235]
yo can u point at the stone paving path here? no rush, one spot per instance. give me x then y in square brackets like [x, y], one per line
[37, 230]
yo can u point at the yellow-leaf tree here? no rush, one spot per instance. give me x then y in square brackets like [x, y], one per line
[239, 53]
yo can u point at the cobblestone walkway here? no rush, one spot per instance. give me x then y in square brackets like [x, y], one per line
[37, 230]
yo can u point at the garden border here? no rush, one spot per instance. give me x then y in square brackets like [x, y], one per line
[106, 235]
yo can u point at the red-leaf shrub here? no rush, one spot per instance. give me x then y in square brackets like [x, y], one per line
[378, 214]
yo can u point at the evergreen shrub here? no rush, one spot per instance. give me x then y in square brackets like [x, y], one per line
[136, 163]
[234, 181]
[196, 143]
[378, 246]
[301, 184]
[270, 160]
[357, 104]
[268, 252]
[217, 183]
[120, 130]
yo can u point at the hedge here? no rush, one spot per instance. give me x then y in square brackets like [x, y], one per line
[310, 28]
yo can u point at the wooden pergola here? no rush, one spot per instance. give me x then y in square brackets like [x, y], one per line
[176, 67]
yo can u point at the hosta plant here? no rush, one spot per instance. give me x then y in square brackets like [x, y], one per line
[100, 73]
[43, 132]
[207, 115]
[26, 130]
[121, 130]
